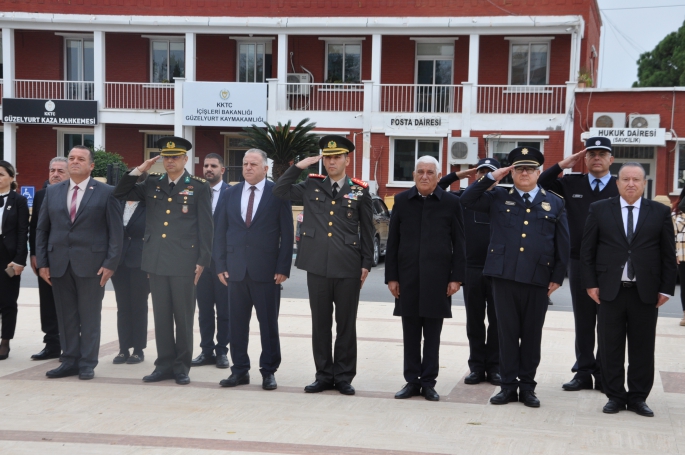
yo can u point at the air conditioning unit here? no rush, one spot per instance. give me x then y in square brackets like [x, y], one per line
[609, 120]
[298, 84]
[463, 150]
[644, 121]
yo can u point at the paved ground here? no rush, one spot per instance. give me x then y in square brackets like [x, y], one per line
[116, 413]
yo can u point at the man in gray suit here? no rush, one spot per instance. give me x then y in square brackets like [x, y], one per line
[78, 244]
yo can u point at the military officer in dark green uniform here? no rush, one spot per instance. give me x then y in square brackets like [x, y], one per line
[336, 250]
[178, 246]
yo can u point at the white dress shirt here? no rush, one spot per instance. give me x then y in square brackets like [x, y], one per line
[245, 198]
[624, 214]
[216, 192]
[129, 208]
[2, 209]
[82, 188]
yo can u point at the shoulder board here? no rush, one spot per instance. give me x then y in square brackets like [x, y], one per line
[155, 173]
[557, 195]
[361, 183]
[316, 176]
[199, 179]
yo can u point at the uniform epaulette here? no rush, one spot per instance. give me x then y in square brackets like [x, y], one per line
[155, 173]
[558, 195]
[317, 176]
[199, 179]
[361, 183]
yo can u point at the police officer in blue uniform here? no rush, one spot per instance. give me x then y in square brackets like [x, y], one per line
[526, 258]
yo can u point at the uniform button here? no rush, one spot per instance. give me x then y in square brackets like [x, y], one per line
[330, 235]
[163, 236]
[333, 202]
[628, 251]
[155, 197]
[521, 248]
[545, 216]
[168, 212]
[129, 238]
[331, 212]
[166, 223]
[528, 210]
[508, 210]
[330, 223]
[317, 198]
[523, 235]
[169, 199]
[492, 251]
[526, 223]
[354, 243]
[304, 233]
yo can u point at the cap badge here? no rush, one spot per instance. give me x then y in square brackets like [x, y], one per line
[598, 143]
[332, 145]
[170, 145]
[546, 206]
[524, 152]
[487, 161]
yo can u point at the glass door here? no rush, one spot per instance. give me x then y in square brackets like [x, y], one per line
[80, 68]
[433, 70]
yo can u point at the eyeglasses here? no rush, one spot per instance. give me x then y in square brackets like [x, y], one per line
[526, 169]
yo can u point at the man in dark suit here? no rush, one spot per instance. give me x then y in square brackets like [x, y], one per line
[78, 244]
[253, 249]
[527, 257]
[579, 191]
[58, 172]
[178, 247]
[336, 250]
[211, 293]
[427, 227]
[629, 268]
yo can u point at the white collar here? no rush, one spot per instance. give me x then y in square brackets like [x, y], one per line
[217, 187]
[258, 186]
[625, 204]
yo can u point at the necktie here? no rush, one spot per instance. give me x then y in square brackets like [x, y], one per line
[171, 186]
[2, 200]
[72, 209]
[629, 235]
[596, 190]
[335, 189]
[250, 204]
[526, 197]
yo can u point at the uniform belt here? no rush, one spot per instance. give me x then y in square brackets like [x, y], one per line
[628, 284]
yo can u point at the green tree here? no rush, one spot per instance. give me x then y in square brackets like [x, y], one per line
[102, 159]
[282, 143]
[665, 65]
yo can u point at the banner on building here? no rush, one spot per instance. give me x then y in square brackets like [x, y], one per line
[632, 136]
[224, 103]
[49, 112]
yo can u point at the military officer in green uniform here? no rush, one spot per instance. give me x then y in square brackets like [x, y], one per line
[336, 248]
[178, 246]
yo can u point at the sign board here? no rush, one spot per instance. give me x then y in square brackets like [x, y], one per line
[632, 136]
[49, 112]
[224, 103]
[28, 192]
[427, 123]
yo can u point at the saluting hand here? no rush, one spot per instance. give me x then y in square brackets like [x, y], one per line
[148, 164]
[571, 161]
[500, 173]
[305, 163]
[466, 173]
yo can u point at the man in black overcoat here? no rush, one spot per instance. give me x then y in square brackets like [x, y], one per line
[425, 264]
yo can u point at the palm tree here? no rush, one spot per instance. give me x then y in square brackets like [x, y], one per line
[283, 144]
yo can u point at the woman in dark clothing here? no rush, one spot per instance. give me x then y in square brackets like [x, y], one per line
[14, 232]
[131, 286]
[678, 216]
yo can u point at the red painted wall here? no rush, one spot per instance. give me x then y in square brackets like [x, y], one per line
[127, 57]
[38, 55]
[36, 146]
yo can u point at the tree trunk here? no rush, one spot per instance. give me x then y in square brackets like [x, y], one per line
[278, 169]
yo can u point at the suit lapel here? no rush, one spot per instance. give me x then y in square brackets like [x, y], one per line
[645, 207]
[61, 195]
[266, 195]
[618, 217]
[325, 186]
[10, 204]
[88, 190]
[236, 201]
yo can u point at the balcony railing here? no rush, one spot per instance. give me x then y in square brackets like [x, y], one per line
[324, 97]
[55, 90]
[137, 95]
[420, 98]
[521, 99]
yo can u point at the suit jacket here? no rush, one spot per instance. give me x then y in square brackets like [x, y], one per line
[15, 228]
[605, 250]
[37, 203]
[527, 244]
[261, 250]
[134, 231]
[92, 241]
[224, 186]
[178, 222]
[425, 252]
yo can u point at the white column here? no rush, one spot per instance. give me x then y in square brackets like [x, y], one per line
[189, 134]
[376, 50]
[282, 70]
[568, 120]
[467, 94]
[178, 106]
[474, 55]
[191, 60]
[366, 128]
[9, 129]
[271, 105]
[99, 93]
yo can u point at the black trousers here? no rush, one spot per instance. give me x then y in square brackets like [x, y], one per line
[483, 343]
[9, 293]
[341, 364]
[131, 288]
[585, 317]
[627, 316]
[79, 308]
[266, 299]
[521, 310]
[48, 316]
[212, 294]
[681, 273]
[420, 371]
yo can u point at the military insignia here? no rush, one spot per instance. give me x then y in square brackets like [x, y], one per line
[158, 190]
[162, 176]
[189, 187]
[524, 152]
[546, 206]
[317, 176]
[332, 145]
[90, 187]
[171, 145]
[598, 143]
[351, 196]
[509, 203]
[542, 190]
[511, 191]
[577, 196]
[361, 183]
[184, 209]
[487, 161]
[350, 213]
[9, 207]
[187, 179]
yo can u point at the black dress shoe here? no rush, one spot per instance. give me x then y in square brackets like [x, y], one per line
[46, 354]
[476, 377]
[504, 396]
[269, 382]
[575, 385]
[528, 398]
[203, 359]
[641, 408]
[344, 387]
[5, 355]
[235, 380]
[430, 394]
[612, 407]
[408, 391]
[86, 373]
[494, 378]
[120, 358]
[182, 379]
[62, 371]
[318, 386]
[157, 376]
[222, 361]
[135, 358]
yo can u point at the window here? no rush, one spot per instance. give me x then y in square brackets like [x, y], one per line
[529, 63]
[645, 155]
[168, 59]
[343, 62]
[407, 151]
[254, 61]
[434, 62]
[679, 180]
[80, 68]
[500, 151]
[235, 152]
[151, 149]
[67, 139]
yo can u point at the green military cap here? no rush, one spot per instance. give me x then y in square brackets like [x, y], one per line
[173, 146]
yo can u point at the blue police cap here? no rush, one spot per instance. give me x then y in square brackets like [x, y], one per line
[491, 163]
[602, 143]
[526, 156]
